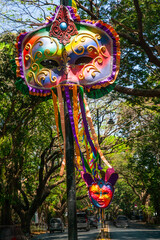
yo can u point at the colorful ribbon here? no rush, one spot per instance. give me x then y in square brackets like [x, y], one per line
[56, 114]
[88, 115]
[92, 147]
[72, 122]
[62, 117]
[75, 114]
[85, 122]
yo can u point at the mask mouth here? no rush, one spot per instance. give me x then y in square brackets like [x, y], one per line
[100, 202]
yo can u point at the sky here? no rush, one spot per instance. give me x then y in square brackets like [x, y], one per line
[15, 16]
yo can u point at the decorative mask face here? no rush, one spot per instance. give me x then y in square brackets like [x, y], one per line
[101, 194]
[67, 50]
[101, 191]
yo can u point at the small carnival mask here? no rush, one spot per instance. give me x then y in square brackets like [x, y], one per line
[101, 191]
[68, 50]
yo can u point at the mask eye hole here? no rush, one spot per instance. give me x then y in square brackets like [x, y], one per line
[96, 193]
[49, 63]
[83, 60]
[105, 193]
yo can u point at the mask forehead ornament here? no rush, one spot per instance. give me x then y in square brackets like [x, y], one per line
[69, 50]
[63, 26]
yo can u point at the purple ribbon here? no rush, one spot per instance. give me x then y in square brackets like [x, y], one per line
[86, 125]
[72, 121]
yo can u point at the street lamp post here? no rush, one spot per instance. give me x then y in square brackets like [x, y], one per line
[70, 179]
[70, 168]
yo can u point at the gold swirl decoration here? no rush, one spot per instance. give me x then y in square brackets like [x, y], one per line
[32, 60]
[102, 51]
[90, 49]
[89, 67]
[65, 60]
[81, 37]
[98, 59]
[96, 50]
[39, 54]
[40, 76]
[28, 46]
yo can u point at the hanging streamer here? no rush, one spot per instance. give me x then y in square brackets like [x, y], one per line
[85, 122]
[72, 121]
[87, 150]
[88, 115]
[75, 113]
[56, 115]
[59, 91]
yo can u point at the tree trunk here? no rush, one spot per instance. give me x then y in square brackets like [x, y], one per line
[26, 223]
[157, 209]
[6, 216]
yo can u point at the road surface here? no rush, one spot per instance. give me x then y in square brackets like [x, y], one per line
[136, 231]
[82, 235]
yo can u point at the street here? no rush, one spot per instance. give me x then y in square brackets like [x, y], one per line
[135, 231]
[82, 235]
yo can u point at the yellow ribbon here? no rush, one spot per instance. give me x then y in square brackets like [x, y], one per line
[74, 4]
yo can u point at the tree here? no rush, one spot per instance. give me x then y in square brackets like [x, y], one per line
[58, 200]
[26, 199]
[145, 162]
[137, 159]
[139, 76]
[30, 152]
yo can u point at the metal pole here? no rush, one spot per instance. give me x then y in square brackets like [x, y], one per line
[66, 2]
[71, 186]
[70, 169]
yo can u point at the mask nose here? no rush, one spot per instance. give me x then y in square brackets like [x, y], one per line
[100, 195]
[66, 68]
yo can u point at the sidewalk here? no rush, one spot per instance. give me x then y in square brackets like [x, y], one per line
[102, 235]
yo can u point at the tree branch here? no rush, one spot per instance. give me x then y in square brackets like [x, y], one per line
[138, 92]
[139, 16]
[143, 44]
[93, 16]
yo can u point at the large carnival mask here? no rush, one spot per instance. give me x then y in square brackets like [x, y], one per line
[66, 57]
[101, 190]
[69, 50]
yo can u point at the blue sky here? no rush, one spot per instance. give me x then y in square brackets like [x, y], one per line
[15, 16]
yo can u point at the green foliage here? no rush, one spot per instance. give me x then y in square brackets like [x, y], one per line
[131, 145]
[27, 129]
[124, 199]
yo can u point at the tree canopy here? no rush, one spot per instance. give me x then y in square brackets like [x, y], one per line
[138, 30]
[30, 155]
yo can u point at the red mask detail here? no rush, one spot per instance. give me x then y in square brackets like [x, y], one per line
[63, 34]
